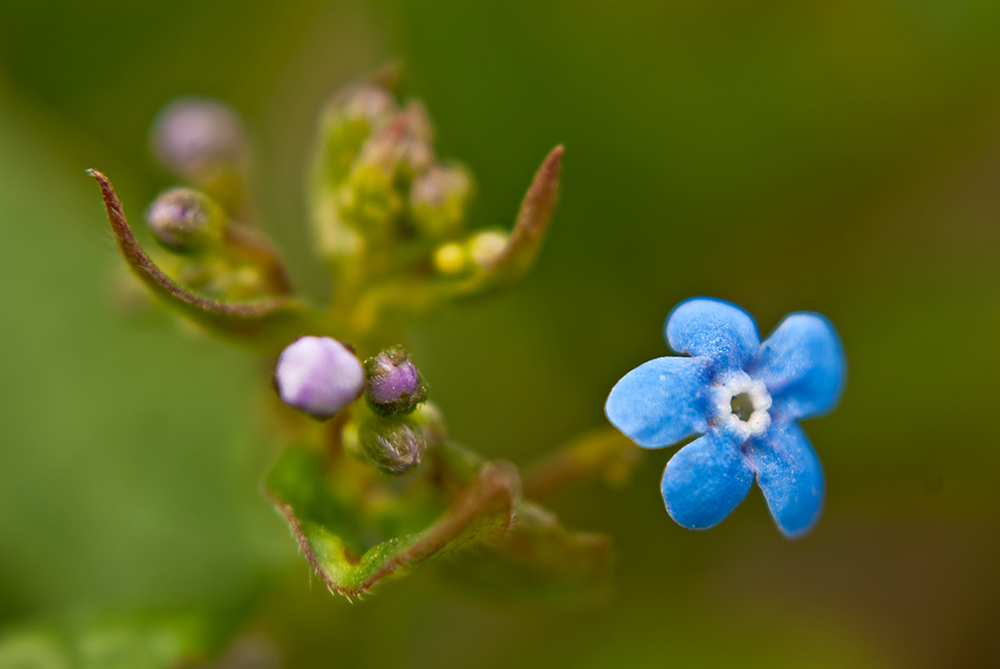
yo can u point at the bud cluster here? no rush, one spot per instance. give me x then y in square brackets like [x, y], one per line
[320, 376]
[381, 185]
[391, 222]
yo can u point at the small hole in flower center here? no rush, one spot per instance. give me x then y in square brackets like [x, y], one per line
[742, 406]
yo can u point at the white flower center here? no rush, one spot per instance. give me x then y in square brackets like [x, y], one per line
[741, 405]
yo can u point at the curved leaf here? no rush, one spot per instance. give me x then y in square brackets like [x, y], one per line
[275, 320]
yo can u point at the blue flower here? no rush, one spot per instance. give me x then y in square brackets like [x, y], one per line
[743, 397]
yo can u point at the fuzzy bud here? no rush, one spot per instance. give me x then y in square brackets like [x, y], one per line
[393, 385]
[392, 445]
[186, 221]
[318, 375]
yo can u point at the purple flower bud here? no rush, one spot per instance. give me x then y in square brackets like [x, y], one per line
[392, 445]
[319, 376]
[185, 220]
[195, 137]
[394, 384]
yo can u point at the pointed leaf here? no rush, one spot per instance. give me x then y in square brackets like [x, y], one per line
[532, 223]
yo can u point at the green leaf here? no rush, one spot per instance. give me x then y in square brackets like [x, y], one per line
[327, 528]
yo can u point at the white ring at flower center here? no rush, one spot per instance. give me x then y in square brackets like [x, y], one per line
[740, 383]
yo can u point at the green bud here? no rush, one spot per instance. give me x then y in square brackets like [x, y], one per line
[439, 199]
[371, 203]
[392, 445]
[452, 259]
[349, 119]
[186, 221]
[428, 417]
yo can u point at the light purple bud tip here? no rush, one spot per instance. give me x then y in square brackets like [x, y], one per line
[319, 376]
[394, 383]
[195, 134]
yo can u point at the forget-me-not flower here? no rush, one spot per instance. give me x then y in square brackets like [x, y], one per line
[743, 397]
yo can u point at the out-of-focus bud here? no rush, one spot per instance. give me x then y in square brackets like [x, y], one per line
[438, 200]
[365, 102]
[485, 247]
[394, 385]
[371, 203]
[452, 259]
[199, 139]
[347, 122]
[186, 221]
[319, 376]
[403, 142]
[429, 419]
[392, 445]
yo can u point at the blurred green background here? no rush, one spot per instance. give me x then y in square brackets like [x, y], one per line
[842, 157]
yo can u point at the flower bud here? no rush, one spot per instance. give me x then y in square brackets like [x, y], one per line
[366, 102]
[186, 221]
[438, 200]
[199, 137]
[402, 143]
[485, 247]
[394, 385]
[392, 445]
[371, 202]
[430, 421]
[318, 375]
[347, 122]
[452, 259]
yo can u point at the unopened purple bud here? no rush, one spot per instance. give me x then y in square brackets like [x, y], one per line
[195, 137]
[319, 376]
[394, 385]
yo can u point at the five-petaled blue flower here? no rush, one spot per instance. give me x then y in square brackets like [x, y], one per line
[744, 398]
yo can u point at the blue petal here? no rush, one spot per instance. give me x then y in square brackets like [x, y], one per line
[704, 482]
[661, 402]
[790, 475]
[715, 329]
[803, 366]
